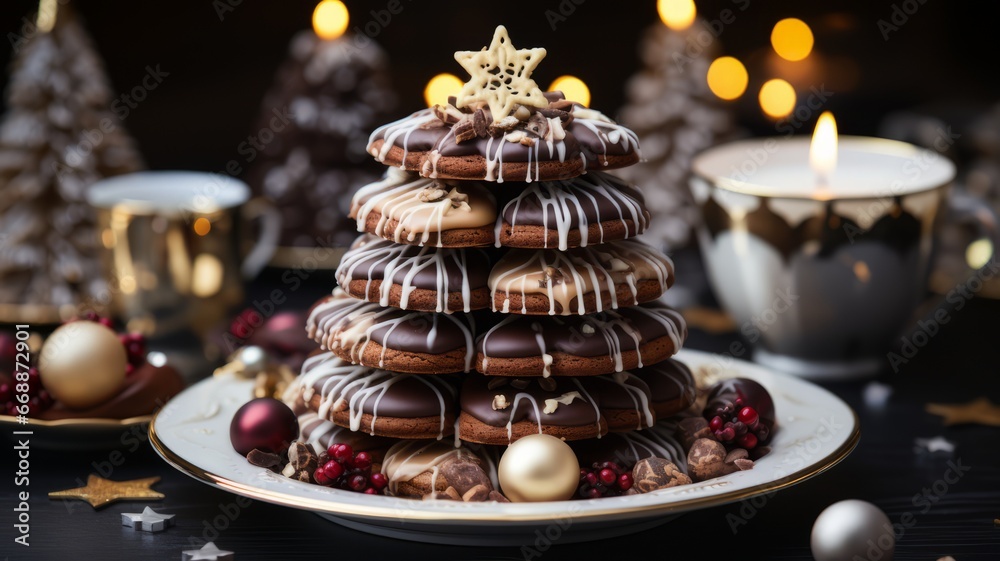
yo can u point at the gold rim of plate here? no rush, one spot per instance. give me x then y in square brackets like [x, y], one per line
[445, 515]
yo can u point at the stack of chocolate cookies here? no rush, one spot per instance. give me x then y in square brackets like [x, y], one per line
[498, 289]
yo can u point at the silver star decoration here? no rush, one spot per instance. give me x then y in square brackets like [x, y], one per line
[208, 552]
[148, 520]
[933, 445]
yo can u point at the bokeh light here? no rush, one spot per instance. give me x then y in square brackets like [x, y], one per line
[440, 88]
[330, 19]
[792, 39]
[777, 98]
[573, 88]
[727, 77]
[677, 14]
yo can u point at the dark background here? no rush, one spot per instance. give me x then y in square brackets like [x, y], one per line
[945, 54]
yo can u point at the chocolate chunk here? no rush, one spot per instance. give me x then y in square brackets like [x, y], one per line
[692, 428]
[707, 459]
[453, 494]
[464, 474]
[448, 114]
[304, 476]
[302, 457]
[464, 131]
[496, 496]
[538, 125]
[548, 384]
[480, 123]
[736, 454]
[651, 474]
[264, 459]
[477, 494]
[496, 382]
[505, 125]
[550, 113]
[743, 463]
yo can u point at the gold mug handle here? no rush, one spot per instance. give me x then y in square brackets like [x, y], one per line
[267, 239]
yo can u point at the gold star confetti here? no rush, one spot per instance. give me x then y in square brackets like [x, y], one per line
[978, 411]
[501, 76]
[100, 492]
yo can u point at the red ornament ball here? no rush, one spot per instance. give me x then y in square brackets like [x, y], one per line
[263, 423]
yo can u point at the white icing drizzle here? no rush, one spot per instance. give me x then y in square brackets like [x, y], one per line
[346, 323]
[348, 387]
[423, 207]
[604, 129]
[409, 458]
[371, 253]
[633, 387]
[562, 201]
[659, 439]
[604, 323]
[565, 278]
[551, 405]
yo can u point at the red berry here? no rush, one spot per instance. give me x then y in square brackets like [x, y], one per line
[363, 460]
[591, 478]
[341, 452]
[715, 424]
[321, 478]
[135, 349]
[593, 493]
[726, 434]
[5, 393]
[748, 441]
[358, 482]
[607, 476]
[748, 415]
[129, 369]
[371, 491]
[91, 316]
[106, 322]
[378, 481]
[624, 482]
[740, 428]
[333, 469]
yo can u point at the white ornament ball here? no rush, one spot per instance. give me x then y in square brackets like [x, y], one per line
[538, 467]
[853, 529]
[82, 364]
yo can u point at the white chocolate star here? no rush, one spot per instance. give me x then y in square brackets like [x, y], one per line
[501, 76]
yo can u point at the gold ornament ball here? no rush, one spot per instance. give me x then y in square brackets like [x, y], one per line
[538, 467]
[82, 364]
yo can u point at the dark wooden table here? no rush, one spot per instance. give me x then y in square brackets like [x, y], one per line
[959, 364]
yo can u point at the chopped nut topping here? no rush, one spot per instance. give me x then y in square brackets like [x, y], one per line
[464, 130]
[538, 124]
[507, 124]
[527, 141]
[448, 114]
[522, 113]
[500, 402]
[553, 276]
[515, 137]
[619, 265]
[551, 405]
[459, 201]
[431, 194]
[587, 329]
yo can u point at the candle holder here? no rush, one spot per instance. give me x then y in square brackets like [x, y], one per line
[822, 279]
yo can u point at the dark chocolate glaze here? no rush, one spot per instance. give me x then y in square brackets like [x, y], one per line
[147, 389]
[397, 395]
[597, 196]
[416, 332]
[668, 380]
[369, 256]
[477, 400]
[619, 391]
[603, 333]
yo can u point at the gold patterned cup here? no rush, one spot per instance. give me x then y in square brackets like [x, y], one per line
[174, 247]
[823, 279]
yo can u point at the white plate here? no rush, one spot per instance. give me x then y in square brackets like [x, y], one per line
[817, 430]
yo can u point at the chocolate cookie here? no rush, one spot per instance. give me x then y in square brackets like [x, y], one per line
[424, 468]
[671, 385]
[415, 278]
[591, 209]
[378, 402]
[627, 448]
[497, 411]
[579, 281]
[415, 342]
[602, 343]
[559, 141]
[321, 433]
[411, 210]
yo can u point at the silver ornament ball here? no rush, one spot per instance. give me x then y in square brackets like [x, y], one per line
[853, 529]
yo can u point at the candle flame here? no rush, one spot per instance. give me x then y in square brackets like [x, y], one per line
[677, 14]
[823, 149]
[330, 19]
